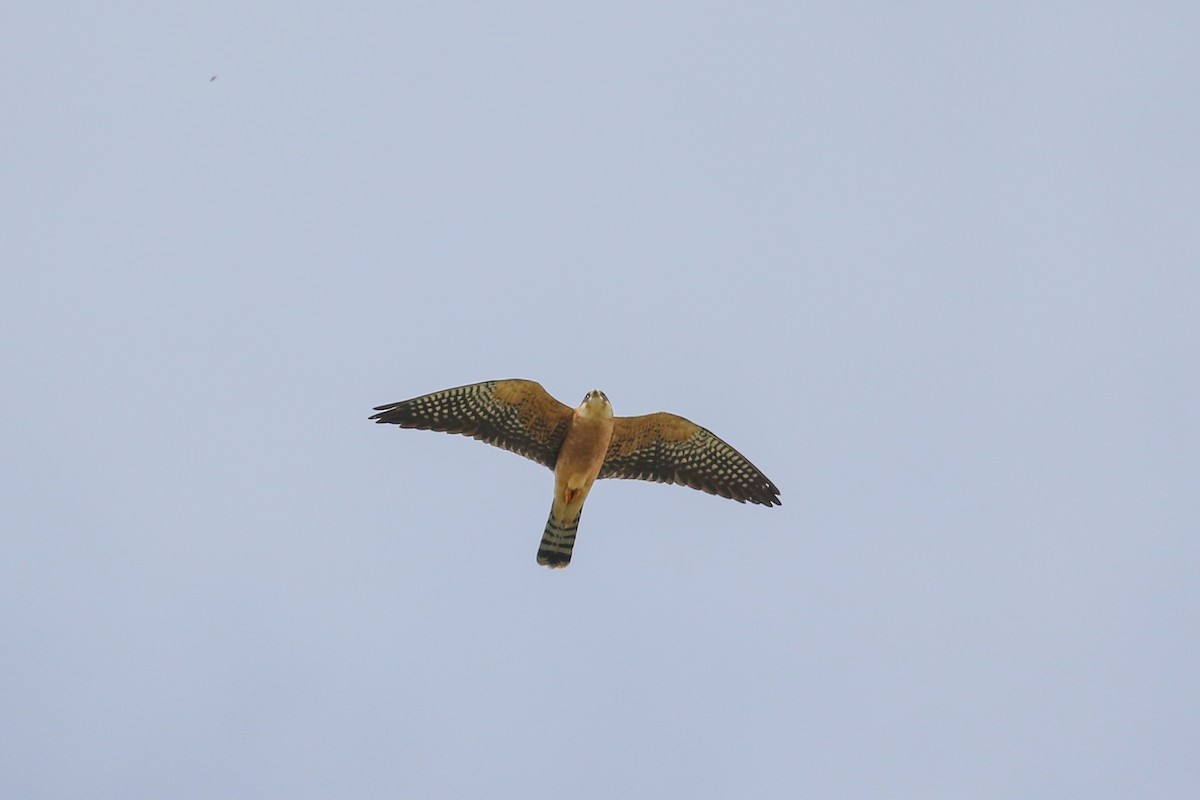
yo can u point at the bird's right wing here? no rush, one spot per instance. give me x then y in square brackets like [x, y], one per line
[670, 449]
[516, 415]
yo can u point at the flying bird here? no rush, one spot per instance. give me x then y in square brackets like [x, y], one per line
[583, 444]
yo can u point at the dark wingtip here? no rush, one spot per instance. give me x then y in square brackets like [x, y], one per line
[383, 411]
[770, 497]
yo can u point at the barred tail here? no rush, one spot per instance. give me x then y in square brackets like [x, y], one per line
[557, 541]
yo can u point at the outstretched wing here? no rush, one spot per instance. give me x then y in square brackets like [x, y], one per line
[670, 449]
[516, 415]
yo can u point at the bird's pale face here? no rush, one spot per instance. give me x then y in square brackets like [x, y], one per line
[595, 404]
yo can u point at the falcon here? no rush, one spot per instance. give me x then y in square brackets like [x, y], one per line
[583, 444]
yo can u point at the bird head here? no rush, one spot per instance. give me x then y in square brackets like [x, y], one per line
[595, 404]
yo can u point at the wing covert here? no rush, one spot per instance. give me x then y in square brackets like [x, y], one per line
[667, 448]
[516, 415]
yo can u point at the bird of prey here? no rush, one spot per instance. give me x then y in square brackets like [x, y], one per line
[583, 444]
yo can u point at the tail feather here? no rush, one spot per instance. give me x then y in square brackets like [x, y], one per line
[557, 541]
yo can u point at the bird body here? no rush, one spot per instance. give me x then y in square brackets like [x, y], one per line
[582, 445]
[575, 470]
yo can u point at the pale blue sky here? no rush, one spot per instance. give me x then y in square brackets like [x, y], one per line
[933, 269]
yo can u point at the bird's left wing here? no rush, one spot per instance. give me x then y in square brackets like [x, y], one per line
[516, 415]
[670, 449]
